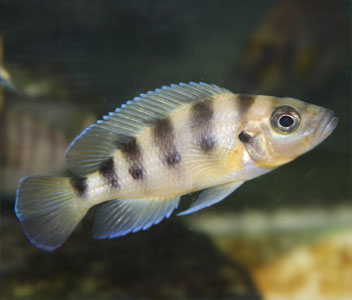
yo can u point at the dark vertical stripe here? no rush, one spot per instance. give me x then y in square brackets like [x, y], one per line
[244, 104]
[164, 136]
[80, 186]
[133, 155]
[107, 169]
[136, 171]
[202, 114]
[207, 143]
[129, 147]
[163, 132]
[173, 158]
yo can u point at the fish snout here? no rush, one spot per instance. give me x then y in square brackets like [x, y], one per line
[328, 123]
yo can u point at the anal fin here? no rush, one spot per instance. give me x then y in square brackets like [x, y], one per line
[211, 196]
[120, 217]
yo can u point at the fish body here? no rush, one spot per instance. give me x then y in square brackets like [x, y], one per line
[33, 142]
[160, 146]
[173, 157]
[29, 145]
[5, 79]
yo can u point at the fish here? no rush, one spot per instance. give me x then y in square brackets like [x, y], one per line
[139, 160]
[29, 145]
[5, 83]
[5, 79]
[35, 143]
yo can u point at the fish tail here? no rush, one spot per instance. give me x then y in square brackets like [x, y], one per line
[49, 209]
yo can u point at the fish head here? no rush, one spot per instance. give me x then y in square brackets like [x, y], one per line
[279, 130]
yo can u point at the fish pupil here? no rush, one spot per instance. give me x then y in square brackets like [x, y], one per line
[286, 121]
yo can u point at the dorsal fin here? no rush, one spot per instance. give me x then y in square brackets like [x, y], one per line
[98, 142]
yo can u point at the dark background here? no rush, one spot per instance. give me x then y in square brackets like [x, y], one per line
[73, 59]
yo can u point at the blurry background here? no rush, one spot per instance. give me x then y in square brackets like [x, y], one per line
[285, 235]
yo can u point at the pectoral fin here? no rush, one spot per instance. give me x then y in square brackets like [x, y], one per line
[211, 196]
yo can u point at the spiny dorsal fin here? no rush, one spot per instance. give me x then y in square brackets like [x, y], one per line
[120, 217]
[98, 142]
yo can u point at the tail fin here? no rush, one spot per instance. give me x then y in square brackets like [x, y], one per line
[49, 210]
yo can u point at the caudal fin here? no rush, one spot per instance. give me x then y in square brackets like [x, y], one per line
[49, 210]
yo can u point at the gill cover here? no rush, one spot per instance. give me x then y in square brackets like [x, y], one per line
[255, 145]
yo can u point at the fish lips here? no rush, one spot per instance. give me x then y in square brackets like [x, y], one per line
[327, 125]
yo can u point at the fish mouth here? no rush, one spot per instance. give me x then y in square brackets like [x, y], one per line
[328, 123]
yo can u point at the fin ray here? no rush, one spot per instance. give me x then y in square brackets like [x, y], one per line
[120, 217]
[222, 161]
[98, 142]
[48, 209]
[211, 196]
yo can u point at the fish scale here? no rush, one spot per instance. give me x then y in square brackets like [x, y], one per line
[140, 159]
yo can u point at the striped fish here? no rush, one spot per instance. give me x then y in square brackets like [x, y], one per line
[29, 145]
[32, 144]
[143, 157]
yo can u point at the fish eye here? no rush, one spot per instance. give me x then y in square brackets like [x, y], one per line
[285, 119]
